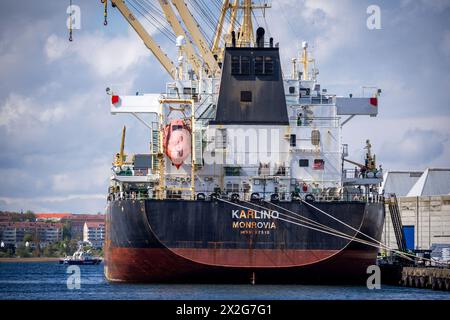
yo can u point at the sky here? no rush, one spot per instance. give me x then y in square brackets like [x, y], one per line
[57, 137]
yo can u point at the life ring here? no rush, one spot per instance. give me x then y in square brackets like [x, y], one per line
[235, 197]
[310, 198]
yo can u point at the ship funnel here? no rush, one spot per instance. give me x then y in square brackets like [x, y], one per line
[260, 37]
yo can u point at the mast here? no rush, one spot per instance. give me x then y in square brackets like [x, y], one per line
[246, 32]
[304, 60]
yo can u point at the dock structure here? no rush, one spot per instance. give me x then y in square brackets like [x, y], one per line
[423, 206]
[430, 278]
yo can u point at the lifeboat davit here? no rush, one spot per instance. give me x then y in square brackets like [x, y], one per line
[177, 141]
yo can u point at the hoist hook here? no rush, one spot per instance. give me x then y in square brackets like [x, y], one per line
[70, 21]
[105, 13]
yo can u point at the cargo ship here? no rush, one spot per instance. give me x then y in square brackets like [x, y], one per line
[245, 179]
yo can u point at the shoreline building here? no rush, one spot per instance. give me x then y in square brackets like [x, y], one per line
[13, 233]
[76, 221]
[424, 204]
[44, 228]
[94, 233]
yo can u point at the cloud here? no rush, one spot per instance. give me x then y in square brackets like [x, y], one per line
[105, 56]
[11, 111]
[93, 177]
[416, 147]
[57, 137]
[437, 5]
[327, 25]
[55, 47]
[445, 44]
[19, 112]
[76, 203]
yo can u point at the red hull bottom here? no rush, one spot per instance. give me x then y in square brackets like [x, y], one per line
[157, 265]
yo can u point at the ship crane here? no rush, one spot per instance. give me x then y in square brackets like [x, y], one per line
[179, 31]
[146, 37]
[203, 59]
[355, 163]
[121, 156]
[199, 39]
[206, 62]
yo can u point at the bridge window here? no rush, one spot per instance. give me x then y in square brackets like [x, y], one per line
[268, 65]
[240, 65]
[303, 163]
[293, 140]
[246, 96]
[263, 65]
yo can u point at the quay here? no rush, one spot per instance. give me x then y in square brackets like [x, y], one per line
[426, 277]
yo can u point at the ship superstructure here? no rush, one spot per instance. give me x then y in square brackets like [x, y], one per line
[238, 151]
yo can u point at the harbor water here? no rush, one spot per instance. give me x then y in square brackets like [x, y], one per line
[48, 280]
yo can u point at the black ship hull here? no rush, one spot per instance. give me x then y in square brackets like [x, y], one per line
[177, 241]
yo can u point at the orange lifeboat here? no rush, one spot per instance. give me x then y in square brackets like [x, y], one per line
[177, 141]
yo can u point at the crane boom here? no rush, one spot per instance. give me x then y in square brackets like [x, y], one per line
[120, 157]
[234, 8]
[355, 163]
[179, 31]
[145, 36]
[215, 48]
[197, 36]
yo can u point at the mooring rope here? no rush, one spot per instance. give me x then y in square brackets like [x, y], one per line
[340, 234]
[382, 245]
[308, 220]
[376, 243]
[312, 222]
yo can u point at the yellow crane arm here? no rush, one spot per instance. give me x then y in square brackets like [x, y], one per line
[179, 31]
[197, 36]
[145, 36]
[120, 157]
[215, 48]
[122, 144]
[355, 163]
[234, 8]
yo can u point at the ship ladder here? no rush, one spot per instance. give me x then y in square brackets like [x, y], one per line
[396, 219]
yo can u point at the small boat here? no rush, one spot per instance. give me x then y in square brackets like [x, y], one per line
[81, 257]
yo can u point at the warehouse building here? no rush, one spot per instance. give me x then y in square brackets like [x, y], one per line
[424, 204]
